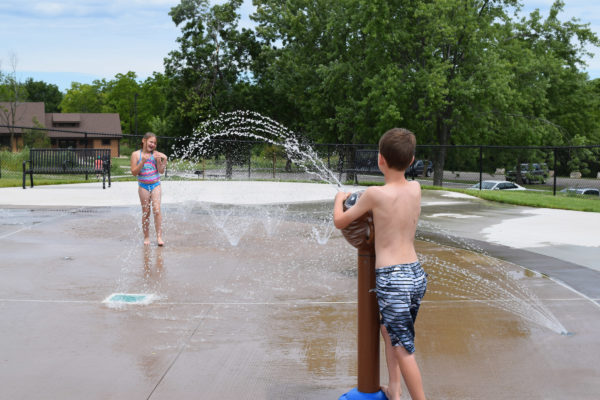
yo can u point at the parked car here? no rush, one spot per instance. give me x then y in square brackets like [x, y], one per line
[420, 168]
[497, 185]
[530, 173]
[582, 191]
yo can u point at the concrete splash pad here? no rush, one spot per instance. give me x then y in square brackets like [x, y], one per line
[232, 323]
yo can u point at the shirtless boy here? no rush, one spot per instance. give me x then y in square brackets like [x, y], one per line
[400, 280]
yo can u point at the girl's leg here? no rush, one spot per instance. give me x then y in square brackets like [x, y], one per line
[145, 201]
[394, 389]
[155, 196]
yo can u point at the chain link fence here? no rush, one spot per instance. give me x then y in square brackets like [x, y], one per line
[538, 168]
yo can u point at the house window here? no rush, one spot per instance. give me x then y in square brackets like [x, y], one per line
[4, 141]
[65, 124]
[105, 142]
[66, 143]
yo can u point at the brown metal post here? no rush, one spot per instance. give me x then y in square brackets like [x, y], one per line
[368, 323]
[361, 234]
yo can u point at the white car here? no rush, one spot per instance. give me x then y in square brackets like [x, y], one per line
[497, 185]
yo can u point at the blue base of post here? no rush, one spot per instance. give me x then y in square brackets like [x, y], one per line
[354, 394]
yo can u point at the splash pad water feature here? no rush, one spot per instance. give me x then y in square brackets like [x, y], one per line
[293, 314]
[509, 295]
[233, 222]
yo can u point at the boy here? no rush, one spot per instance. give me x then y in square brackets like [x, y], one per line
[400, 279]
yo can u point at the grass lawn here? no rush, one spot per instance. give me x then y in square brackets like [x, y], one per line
[543, 199]
[533, 198]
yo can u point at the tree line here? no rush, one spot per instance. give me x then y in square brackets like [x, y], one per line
[345, 71]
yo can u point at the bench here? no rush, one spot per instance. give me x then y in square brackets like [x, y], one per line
[365, 163]
[68, 161]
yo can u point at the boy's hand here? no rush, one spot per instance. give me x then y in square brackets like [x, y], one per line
[341, 195]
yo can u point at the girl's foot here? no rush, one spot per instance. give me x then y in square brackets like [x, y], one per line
[146, 241]
[160, 242]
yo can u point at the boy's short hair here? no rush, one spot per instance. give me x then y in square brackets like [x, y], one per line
[397, 146]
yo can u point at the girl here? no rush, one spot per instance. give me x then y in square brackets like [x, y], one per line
[147, 165]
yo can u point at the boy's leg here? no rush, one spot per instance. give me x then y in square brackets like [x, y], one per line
[410, 372]
[394, 389]
[156, 197]
[145, 201]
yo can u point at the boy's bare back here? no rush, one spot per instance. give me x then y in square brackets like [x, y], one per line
[396, 209]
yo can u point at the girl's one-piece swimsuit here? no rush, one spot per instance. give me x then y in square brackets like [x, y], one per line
[148, 178]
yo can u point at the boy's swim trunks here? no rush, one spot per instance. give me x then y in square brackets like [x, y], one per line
[400, 289]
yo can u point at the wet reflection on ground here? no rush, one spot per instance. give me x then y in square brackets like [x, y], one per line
[272, 317]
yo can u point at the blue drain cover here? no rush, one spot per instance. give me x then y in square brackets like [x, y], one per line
[129, 298]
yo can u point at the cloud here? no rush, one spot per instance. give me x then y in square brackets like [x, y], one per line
[76, 9]
[49, 9]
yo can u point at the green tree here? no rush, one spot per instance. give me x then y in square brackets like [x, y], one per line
[152, 108]
[44, 92]
[453, 71]
[83, 98]
[119, 96]
[211, 61]
[314, 65]
[37, 138]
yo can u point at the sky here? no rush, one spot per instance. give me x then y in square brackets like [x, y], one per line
[64, 41]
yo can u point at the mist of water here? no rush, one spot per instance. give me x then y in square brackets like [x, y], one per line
[491, 283]
[250, 125]
[256, 127]
[502, 290]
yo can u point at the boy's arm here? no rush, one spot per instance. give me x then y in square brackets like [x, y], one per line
[341, 218]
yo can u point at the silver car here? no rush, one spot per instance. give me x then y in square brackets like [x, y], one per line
[497, 185]
[586, 191]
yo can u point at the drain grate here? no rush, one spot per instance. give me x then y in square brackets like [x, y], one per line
[130, 298]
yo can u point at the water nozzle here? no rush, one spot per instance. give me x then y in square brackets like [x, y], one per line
[352, 199]
[360, 231]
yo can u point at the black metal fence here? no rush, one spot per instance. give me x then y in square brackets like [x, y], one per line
[542, 168]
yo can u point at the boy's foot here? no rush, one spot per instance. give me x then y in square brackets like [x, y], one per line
[160, 242]
[388, 395]
[146, 241]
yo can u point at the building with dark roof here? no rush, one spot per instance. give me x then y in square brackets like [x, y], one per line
[75, 130]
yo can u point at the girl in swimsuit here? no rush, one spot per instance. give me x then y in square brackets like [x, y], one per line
[147, 165]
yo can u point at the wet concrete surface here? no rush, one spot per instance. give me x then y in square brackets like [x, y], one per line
[563, 234]
[559, 243]
[273, 317]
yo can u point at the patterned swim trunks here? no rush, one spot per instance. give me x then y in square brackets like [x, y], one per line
[400, 289]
